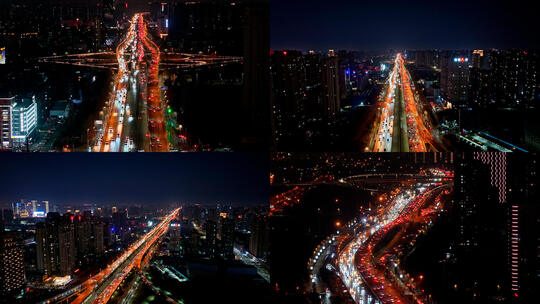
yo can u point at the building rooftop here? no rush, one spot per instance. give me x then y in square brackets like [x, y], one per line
[22, 102]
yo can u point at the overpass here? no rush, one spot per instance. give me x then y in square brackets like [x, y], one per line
[100, 287]
[136, 116]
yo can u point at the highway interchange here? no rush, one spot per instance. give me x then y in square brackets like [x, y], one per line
[133, 119]
[365, 253]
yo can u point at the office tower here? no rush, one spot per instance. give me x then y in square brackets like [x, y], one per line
[5, 122]
[18, 208]
[40, 208]
[55, 245]
[30, 208]
[12, 276]
[455, 76]
[330, 86]
[211, 238]
[24, 119]
[23, 208]
[259, 238]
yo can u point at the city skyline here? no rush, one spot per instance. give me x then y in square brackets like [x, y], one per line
[322, 25]
[227, 178]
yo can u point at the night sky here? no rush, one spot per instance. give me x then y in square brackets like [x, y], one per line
[127, 178]
[412, 24]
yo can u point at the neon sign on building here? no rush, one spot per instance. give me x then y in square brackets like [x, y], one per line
[461, 59]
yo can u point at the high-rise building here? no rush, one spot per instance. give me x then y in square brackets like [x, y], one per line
[481, 92]
[12, 276]
[175, 237]
[211, 238]
[455, 75]
[55, 240]
[97, 244]
[504, 78]
[227, 238]
[119, 219]
[31, 208]
[427, 58]
[23, 208]
[194, 243]
[40, 208]
[260, 237]
[480, 59]
[256, 87]
[523, 220]
[82, 233]
[497, 205]
[5, 123]
[498, 170]
[24, 119]
[477, 243]
[515, 78]
[330, 86]
[207, 26]
[288, 84]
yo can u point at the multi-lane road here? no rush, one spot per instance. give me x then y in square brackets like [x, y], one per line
[365, 253]
[100, 287]
[133, 117]
[401, 125]
[368, 265]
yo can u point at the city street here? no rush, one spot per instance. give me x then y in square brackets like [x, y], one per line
[401, 126]
[133, 119]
